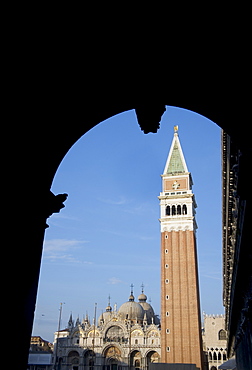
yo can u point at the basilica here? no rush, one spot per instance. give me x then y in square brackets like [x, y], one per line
[123, 338]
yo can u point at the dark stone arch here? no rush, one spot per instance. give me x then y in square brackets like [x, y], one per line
[135, 358]
[73, 358]
[57, 116]
[89, 358]
[152, 356]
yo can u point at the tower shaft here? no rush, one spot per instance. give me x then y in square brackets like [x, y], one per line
[180, 304]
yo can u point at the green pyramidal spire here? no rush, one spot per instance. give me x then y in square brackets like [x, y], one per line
[176, 162]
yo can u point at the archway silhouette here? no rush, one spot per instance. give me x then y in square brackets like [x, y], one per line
[48, 160]
[98, 206]
[168, 140]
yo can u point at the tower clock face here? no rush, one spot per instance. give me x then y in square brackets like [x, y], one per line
[175, 185]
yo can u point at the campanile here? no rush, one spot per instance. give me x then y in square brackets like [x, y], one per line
[180, 305]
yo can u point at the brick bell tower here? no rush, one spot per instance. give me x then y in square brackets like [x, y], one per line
[180, 304]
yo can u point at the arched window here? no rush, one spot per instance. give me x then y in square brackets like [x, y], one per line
[179, 209]
[137, 364]
[214, 356]
[224, 356]
[184, 209]
[136, 341]
[60, 363]
[89, 357]
[168, 211]
[222, 335]
[219, 356]
[210, 356]
[91, 364]
[173, 210]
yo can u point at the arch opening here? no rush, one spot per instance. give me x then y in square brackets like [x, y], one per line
[119, 201]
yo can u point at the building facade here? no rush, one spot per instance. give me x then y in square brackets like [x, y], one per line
[123, 338]
[40, 354]
[214, 338]
[237, 255]
[180, 307]
[40, 344]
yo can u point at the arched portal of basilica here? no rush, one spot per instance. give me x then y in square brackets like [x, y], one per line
[112, 357]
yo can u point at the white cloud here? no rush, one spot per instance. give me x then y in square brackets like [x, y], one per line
[114, 281]
[122, 200]
[55, 250]
[64, 257]
[61, 244]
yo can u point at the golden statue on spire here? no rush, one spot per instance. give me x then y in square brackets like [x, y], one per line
[176, 128]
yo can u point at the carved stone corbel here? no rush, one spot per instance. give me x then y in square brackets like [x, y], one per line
[54, 204]
[149, 116]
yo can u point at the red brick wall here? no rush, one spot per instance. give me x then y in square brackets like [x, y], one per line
[183, 322]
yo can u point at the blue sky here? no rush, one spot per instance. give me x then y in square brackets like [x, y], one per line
[108, 235]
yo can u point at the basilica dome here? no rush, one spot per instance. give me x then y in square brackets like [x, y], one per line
[138, 312]
[107, 315]
[142, 298]
[131, 310]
